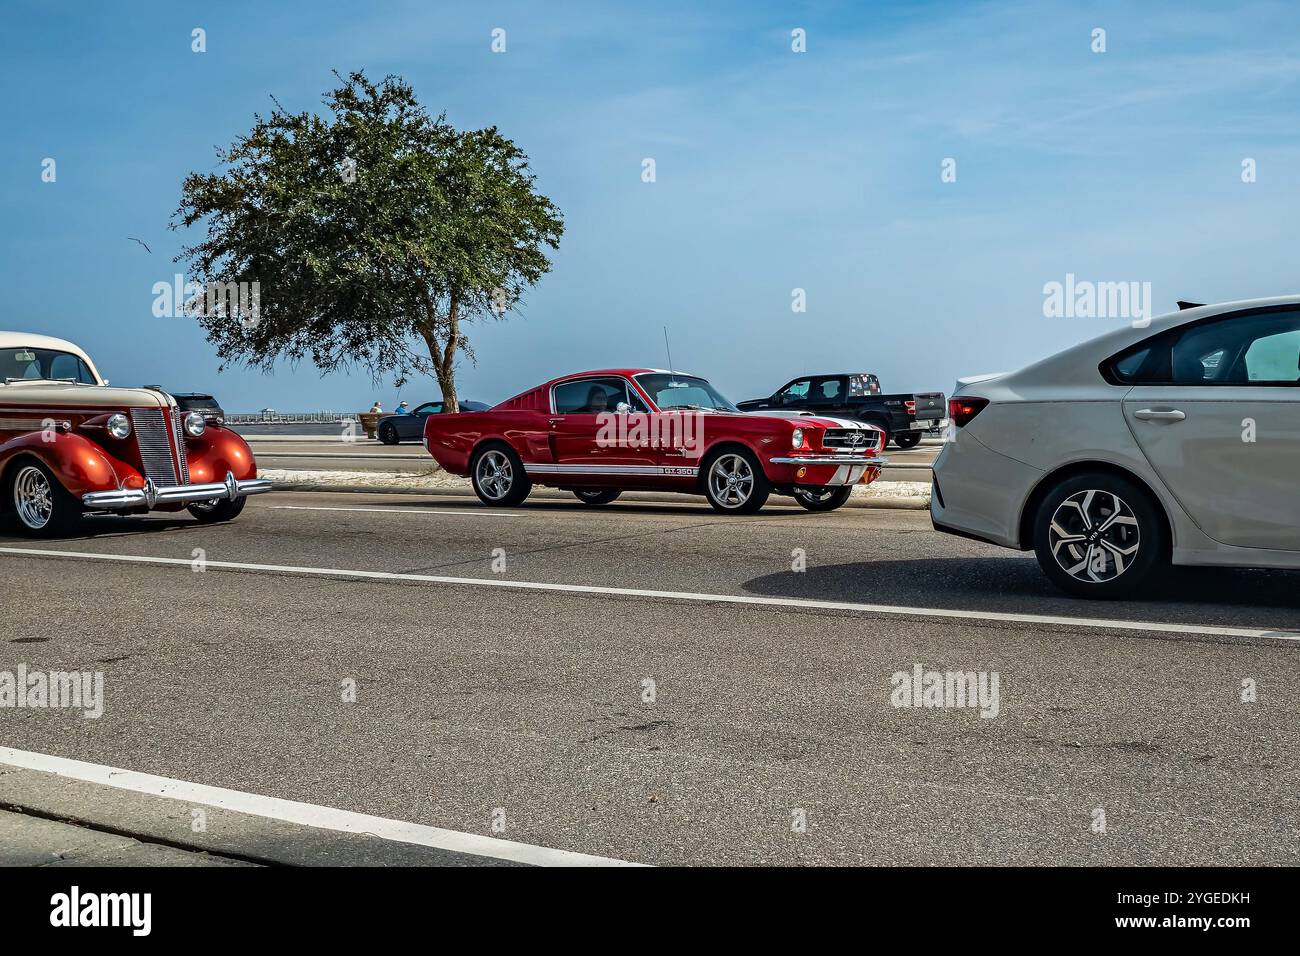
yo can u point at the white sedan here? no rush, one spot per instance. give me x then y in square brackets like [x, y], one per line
[1178, 442]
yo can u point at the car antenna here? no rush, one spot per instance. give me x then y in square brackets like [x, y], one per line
[672, 376]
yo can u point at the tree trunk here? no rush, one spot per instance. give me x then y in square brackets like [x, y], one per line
[444, 354]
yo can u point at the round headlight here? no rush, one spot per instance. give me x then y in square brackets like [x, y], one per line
[194, 424]
[119, 426]
[796, 440]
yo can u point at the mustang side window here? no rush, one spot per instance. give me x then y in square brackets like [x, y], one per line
[593, 396]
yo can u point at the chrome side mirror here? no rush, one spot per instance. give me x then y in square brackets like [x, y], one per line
[622, 408]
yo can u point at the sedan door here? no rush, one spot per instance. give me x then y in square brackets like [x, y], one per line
[411, 427]
[1215, 408]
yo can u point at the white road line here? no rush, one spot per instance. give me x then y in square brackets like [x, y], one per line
[474, 513]
[1196, 630]
[304, 814]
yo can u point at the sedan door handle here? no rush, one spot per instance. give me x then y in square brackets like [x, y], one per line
[1164, 415]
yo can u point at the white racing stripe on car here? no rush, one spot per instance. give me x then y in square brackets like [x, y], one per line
[466, 513]
[303, 814]
[1192, 630]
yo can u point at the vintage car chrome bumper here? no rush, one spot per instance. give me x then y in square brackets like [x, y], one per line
[151, 495]
[830, 460]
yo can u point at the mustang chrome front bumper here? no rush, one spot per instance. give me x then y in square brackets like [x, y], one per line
[830, 460]
[151, 495]
[849, 469]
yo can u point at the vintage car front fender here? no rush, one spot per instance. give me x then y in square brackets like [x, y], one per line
[79, 464]
[218, 451]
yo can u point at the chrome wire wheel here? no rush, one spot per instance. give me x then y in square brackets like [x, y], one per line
[495, 474]
[731, 480]
[33, 498]
[1094, 536]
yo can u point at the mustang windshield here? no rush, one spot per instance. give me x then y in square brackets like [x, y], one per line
[27, 363]
[683, 391]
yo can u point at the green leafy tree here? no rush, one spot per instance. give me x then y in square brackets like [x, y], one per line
[375, 234]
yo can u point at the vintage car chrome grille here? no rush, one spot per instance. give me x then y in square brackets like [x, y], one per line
[21, 424]
[155, 450]
[853, 439]
[181, 460]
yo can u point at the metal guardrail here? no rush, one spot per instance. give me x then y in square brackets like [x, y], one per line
[292, 418]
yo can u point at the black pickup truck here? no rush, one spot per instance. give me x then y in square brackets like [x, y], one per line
[856, 395]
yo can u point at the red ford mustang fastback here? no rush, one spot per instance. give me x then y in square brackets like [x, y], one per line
[598, 434]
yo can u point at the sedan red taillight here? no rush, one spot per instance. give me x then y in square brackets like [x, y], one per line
[962, 410]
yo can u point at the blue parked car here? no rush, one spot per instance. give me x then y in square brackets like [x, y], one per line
[410, 427]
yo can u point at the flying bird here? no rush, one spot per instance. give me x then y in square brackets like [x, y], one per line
[143, 243]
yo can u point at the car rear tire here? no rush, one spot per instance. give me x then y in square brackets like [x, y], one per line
[40, 505]
[498, 476]
[823, 499]
[597, 496]
[734, 482]
[907, 440]
[218, 509]
[1098, 535]
[388, 434]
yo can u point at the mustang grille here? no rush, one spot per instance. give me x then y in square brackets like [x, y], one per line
[155, 450]
[853, 439]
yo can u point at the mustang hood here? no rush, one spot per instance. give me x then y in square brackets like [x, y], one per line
[821, 421]
[62, 394]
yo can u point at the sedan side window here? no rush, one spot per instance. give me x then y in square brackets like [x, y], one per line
[1262, 348]
[1274, 358]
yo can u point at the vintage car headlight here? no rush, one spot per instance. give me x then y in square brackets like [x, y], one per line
[194, 424]
[796, 439]
[119, 426]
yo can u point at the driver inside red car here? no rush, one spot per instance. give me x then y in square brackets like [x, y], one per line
[597, 401]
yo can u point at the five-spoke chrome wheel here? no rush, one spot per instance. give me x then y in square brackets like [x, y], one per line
[1094, 536]
[495, 474]
[499, 476]
[33, 498]
[734, 482]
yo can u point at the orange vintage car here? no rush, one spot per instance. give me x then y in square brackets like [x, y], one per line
[71, 445]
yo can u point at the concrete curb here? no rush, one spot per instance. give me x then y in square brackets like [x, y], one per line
[855, 501]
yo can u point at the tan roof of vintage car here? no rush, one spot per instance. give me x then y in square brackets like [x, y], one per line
[64, 393]
[17, 340]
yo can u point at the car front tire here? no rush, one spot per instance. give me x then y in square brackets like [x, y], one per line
[218, 509]
[734, 482]
[907, 440]
[823, 499]
[597, 496]
[388, 434]
[40, 505]
[498, 476]
[1098, 535]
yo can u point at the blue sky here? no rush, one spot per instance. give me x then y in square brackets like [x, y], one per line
[775, 171]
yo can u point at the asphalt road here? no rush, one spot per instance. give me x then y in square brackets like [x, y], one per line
[325, 454]
[475, 696]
